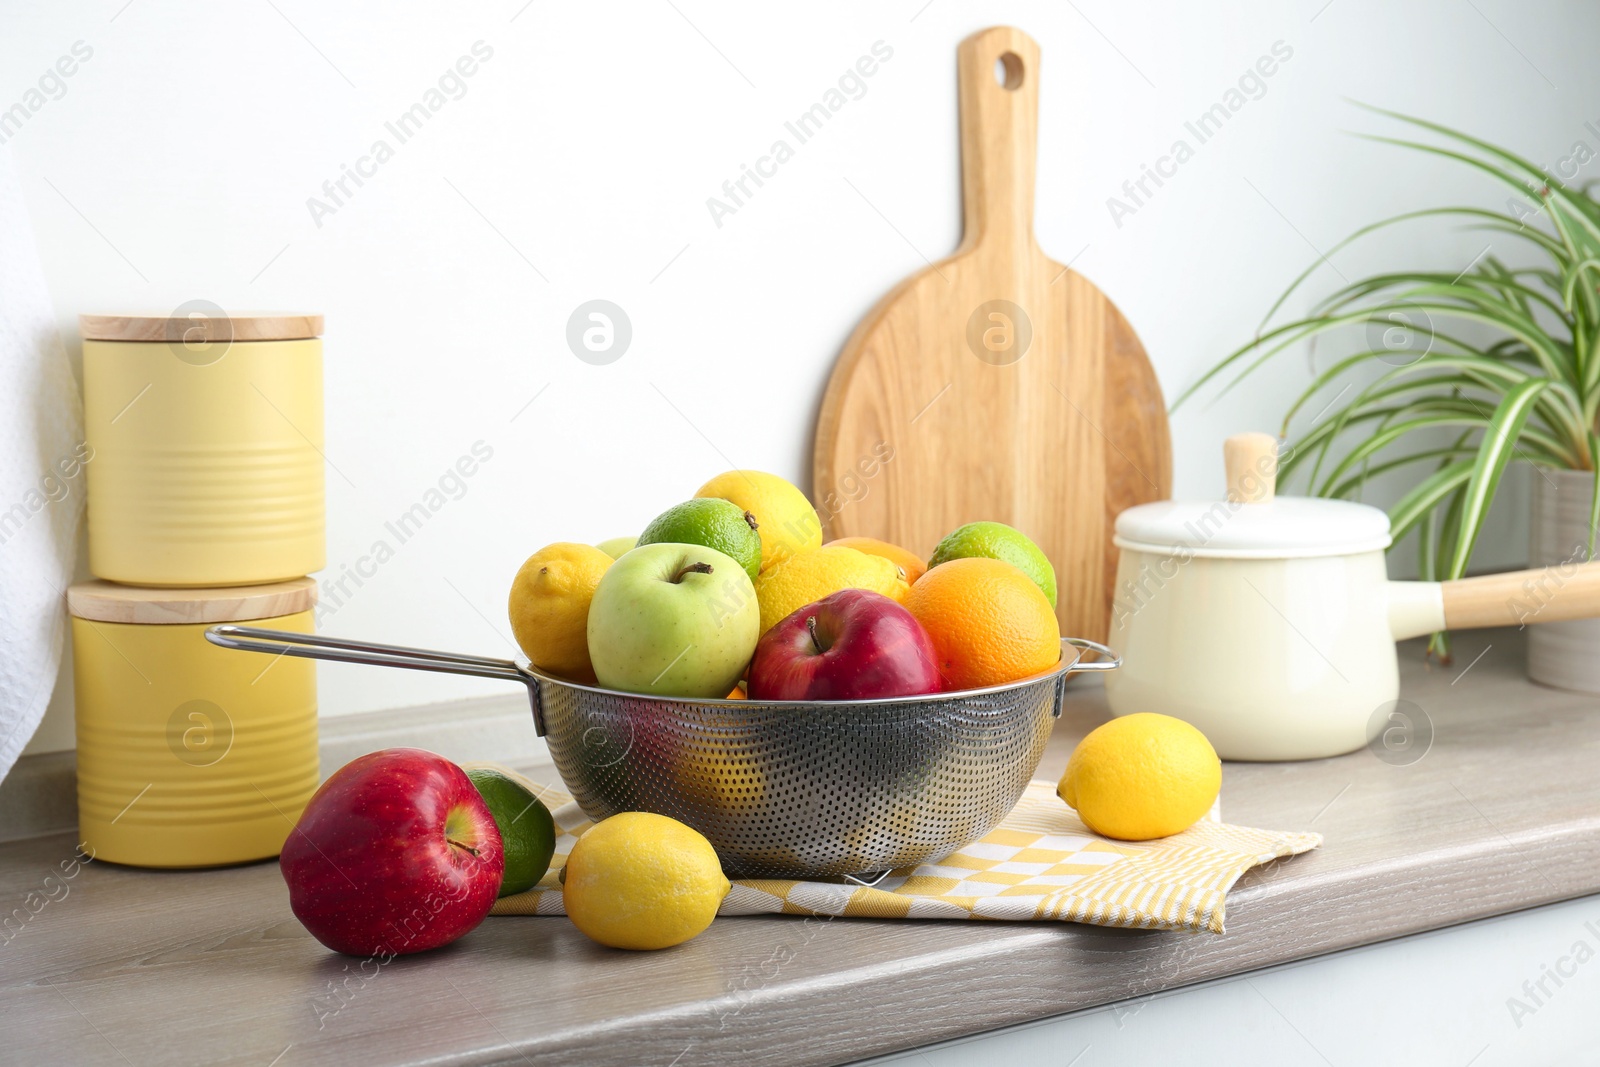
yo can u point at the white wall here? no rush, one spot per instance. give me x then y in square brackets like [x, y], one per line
[178, 163]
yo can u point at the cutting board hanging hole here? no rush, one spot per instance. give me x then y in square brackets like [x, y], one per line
[1008, 71]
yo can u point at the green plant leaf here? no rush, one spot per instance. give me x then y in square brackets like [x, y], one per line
[1495, 451]
[1512, 358]
[1495, 220]
[1427, 544]
[1449, 526]
[1537, 177]
[1425, 496]
[1343, 489]
[1422, 415]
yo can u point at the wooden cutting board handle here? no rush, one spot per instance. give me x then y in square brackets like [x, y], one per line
[999, 138]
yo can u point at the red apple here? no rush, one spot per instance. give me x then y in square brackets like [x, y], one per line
[396, 853]
[850, 645]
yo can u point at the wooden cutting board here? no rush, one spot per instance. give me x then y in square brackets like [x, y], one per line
[1000, 384]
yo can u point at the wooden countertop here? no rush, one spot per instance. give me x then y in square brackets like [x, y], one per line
[139, 967]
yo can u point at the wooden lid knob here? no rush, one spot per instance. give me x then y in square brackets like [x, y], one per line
[1252, 463]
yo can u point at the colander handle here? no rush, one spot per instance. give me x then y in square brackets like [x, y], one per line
[344, 650]
[1108, 661]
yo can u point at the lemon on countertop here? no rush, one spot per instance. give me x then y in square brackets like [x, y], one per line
[1142, 776]
[549, 607]
[786, 519]
[642, 881]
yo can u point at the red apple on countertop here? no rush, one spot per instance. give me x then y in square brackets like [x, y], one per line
[850, 645]
[396, 853]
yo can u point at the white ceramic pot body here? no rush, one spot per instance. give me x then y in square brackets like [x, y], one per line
[1271, 658]
[1269, 622]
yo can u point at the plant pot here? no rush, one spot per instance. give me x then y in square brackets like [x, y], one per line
[1565, 655]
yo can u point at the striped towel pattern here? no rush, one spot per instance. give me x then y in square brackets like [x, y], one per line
[1040, 863]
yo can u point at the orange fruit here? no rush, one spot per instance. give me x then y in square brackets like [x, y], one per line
[905, 559]
[989, 622]
[737, 694]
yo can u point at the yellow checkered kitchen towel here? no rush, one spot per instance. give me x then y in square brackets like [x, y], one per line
[1040, 863]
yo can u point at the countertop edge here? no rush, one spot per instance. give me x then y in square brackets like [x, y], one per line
[957, 993]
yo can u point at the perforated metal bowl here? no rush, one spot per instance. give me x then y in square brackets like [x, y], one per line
[784, 789]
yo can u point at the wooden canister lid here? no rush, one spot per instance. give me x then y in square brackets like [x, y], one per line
[110, 602]
[211, 322]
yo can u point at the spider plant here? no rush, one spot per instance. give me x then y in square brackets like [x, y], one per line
[1509, 363]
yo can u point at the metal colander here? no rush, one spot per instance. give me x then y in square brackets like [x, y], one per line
[786, 789]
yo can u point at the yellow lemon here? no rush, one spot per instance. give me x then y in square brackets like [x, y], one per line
[1142, 776]
[642, 881]
[729, 784]
[907, 560]
[809, 576]
[785, 519]
[549, 607]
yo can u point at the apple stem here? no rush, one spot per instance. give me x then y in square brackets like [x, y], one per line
[459, 844]
[751, 520]
[811, 627]
[693, 568]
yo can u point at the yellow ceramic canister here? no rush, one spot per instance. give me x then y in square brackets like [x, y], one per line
[205, 446]
[190, 755]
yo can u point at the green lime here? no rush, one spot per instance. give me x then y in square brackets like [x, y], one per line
[996, 540]
[527, 833]
[709, 523]
[617, 547]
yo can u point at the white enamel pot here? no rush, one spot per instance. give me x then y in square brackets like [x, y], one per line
[1270, 622]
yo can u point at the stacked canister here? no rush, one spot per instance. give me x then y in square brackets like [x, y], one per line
[205, 496]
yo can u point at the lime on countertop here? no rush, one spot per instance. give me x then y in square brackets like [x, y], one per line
[527, 832]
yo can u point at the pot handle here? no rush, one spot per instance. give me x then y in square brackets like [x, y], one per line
[1516, 598]
[1108, 661]
[344, 650]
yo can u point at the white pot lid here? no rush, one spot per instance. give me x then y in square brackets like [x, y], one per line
[1284, 527]
[1253, 522]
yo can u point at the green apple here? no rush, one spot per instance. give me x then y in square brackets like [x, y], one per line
[673, 620]
[617, 547]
